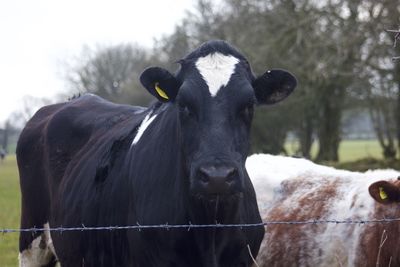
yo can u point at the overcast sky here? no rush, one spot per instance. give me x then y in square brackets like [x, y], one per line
[37, 36]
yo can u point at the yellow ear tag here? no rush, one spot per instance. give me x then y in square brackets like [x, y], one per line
[382, 193]
[161, 92]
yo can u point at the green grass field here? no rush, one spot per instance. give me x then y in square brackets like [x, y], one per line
[9, 211]
[10, 195]
[349, 150]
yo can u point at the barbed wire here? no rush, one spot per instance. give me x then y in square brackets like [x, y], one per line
[190, 226]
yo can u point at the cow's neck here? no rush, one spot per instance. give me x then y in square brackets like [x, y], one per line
[162, 192]
[208, 240]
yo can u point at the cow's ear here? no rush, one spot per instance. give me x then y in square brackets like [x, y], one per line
[384, 192]
[160, 83]
[274, 86]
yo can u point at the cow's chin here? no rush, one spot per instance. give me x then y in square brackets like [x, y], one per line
[226, 197]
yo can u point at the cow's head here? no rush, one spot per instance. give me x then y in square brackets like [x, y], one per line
[214, 93]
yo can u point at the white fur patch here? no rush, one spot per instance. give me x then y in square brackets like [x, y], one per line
[49, 241]
[268, 171]
[40, 251]
[143, 126]
[322, 245]
[216, 70]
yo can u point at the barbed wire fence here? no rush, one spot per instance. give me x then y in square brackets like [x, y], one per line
[190, 226]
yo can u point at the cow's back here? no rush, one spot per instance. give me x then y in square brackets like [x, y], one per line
[327, 198]
[57, 133]
[58, 138]
[297, 190]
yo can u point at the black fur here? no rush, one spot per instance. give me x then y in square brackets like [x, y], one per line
[78, 167]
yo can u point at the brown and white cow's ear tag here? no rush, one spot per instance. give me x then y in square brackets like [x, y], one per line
[382, 193]
[160, 91]
[385, 192]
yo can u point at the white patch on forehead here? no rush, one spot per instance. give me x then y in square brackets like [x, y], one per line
[143, 126]
[216, 70]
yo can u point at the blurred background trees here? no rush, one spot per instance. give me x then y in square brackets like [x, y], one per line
[348, 86]
[110, 72]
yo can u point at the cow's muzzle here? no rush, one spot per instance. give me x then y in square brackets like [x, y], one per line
[212, 180]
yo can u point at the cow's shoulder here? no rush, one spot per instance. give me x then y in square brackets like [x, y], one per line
[90, 113]
[78, 120]
[31, 140]
[63, 133]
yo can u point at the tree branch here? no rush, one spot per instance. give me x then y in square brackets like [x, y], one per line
[396, 38]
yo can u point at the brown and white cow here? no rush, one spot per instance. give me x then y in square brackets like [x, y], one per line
[292, 189]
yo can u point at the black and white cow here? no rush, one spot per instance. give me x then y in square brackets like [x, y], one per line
[182, 160]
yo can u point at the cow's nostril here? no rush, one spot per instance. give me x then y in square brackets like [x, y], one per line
[203, 176]
[231, 174]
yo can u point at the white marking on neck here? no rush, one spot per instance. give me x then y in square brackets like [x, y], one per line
[216, 70]
[143, 126]
[49, 240]
[39, 252]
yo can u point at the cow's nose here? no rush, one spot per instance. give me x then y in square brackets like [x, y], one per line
[218, 179]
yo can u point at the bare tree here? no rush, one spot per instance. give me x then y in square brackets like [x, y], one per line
[380, 74]
[29, 105]
[396, 39]
[110, 72]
